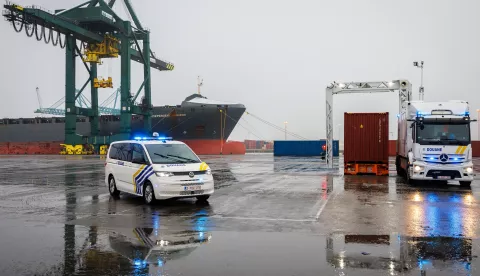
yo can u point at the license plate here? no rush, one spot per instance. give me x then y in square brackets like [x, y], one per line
[192, 188]
[443, 177]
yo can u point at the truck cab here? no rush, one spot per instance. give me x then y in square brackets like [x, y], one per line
[434, 142]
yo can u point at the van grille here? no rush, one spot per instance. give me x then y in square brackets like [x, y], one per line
[187, 172]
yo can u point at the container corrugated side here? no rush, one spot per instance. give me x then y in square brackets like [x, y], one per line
[301, 147]
[366, 138]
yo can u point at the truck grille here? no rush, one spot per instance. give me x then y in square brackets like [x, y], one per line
[436, 173]
[452, 158]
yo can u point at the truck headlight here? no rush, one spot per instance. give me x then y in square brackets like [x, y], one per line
[418, 168]
[468, 170]
[163, 174]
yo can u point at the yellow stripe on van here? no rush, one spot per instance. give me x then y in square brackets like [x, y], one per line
[203, 166]
[135, 175]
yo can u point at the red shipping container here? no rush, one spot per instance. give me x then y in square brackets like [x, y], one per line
[366, 138]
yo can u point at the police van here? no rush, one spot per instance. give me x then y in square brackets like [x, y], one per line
[157, 168]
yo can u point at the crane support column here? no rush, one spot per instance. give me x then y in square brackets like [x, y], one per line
[94, 127]
[125, 104]
[70, 109]
[147, 118]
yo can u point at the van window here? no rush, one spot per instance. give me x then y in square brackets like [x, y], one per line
[138, 153]
[126, 152]
[171, 154]
[115, 151]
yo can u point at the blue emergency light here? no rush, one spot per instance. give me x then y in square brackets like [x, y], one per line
[155, 137]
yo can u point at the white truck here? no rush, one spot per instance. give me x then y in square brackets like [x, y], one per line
[434, 142]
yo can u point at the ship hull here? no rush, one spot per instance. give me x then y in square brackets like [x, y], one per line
[205, 128]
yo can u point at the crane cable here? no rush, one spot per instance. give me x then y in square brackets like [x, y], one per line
[237, 122]
[275, 126]
[33, 28]
[242, 118]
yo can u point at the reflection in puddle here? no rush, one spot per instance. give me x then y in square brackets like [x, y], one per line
[399, 254]
[149, 249]
[427, 215]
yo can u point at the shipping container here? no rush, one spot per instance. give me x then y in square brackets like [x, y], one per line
[260, 144]
[366, 143]
[250, 144]
[302, 148]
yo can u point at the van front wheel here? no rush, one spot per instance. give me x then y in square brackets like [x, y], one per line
[203, 198]
[148, 194]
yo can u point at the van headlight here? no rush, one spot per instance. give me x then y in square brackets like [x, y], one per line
[209, 171]
[163, 174]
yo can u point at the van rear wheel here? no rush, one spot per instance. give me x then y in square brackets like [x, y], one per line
[112, 187]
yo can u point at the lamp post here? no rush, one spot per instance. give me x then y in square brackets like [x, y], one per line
[420, 89]
[285, 129]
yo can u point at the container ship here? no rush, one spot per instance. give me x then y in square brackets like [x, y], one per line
[201, 123]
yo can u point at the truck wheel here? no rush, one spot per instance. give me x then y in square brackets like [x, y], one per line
[465, 184]
[409, 180]
[398, 167]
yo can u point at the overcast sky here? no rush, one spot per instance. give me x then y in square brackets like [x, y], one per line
[274, 56]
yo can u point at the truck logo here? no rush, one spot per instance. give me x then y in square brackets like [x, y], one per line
[434, 149]
[443, 157]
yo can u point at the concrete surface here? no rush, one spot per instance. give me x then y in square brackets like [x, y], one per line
[268, 216]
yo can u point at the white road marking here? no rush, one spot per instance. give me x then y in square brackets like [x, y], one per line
[333, 194]
[266, 219]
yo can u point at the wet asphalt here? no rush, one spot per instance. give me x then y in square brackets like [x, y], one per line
[268, 216]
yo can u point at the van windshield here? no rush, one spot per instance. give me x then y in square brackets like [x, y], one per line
[443, 134]
[171, 154]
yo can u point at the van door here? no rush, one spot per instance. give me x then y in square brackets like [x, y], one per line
[123, 168]
[141, 169]
[115, 162]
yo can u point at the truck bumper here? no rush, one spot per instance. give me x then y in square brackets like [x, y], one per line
[442, 172]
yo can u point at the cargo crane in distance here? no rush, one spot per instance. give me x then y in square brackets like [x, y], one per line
[107, 107]
[101, 34]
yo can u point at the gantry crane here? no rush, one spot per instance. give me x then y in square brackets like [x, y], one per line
[101, 33]
[107, 107]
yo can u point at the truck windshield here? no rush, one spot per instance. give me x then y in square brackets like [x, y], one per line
[443, 134]
[171, 154]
